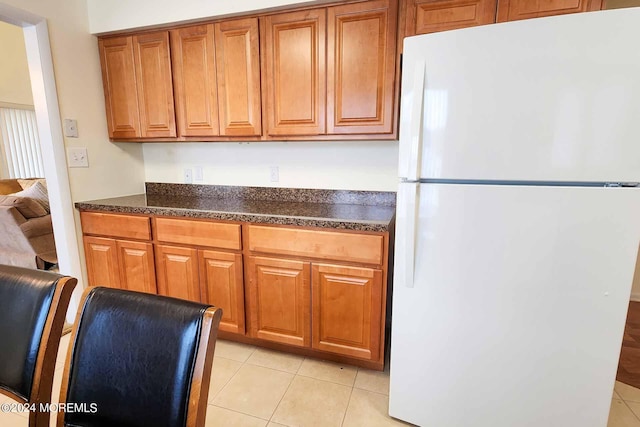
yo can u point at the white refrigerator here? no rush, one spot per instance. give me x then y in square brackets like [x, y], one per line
[518, 221]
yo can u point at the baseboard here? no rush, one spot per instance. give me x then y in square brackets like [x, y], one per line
[635, 296]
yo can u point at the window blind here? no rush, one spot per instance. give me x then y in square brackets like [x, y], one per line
[20, 155]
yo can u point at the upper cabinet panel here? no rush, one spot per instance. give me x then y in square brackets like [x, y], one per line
[119, 81]
[155, 91]
[194, 77]
[238, 65]
[511, 10]
[361, 59]
[428, 16]
[294, 72]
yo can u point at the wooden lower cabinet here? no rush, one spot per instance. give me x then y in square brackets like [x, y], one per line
[280, 300]
[102, 262]
[346, 310]
[120, 264]
[222, 285]
[137, 270]
[178, 272]
[315, 292]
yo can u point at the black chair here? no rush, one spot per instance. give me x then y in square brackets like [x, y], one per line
[138, 360]
[33, 304]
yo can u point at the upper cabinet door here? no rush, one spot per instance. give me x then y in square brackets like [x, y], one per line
[294, 72]
[361, 54]
[512, 10]
[194, 79]
[119, 81]
[155, 92]
[238, 66]
[429, 16]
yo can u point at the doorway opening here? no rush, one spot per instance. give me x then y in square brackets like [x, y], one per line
[45, 102]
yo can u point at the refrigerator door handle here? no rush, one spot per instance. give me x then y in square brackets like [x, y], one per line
[415, 149]
[407, 197]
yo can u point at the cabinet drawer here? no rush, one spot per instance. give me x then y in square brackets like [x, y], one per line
[365, 248]
[128, 226]
[200, 233]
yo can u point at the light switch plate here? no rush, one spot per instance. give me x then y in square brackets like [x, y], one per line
[70, 128]
[77, 157]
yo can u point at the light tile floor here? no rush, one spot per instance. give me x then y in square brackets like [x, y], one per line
[252, 386]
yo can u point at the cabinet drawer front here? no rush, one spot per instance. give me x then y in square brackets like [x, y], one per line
[365, 248]
[200, 233]
[127, 226]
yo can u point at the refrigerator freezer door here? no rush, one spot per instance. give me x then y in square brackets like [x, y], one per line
[548, 99]
[518, 306]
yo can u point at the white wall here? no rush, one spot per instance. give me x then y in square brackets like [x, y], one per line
[332, 165]
[113, 15]
[15, 86]
[115, 169]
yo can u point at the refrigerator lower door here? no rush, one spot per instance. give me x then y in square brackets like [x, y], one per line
[517, 308]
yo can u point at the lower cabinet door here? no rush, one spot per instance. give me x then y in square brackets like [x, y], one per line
[137, 270]
[347, 308]
[102, 262]
[221, 285]
[178, 272]
[280, 300]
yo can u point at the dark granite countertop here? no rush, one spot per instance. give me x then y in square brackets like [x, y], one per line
[350, 210]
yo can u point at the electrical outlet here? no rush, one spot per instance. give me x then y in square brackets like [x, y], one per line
[70, 128]
[188, 176]
[77, 157]
[275, 174]
[198, 176]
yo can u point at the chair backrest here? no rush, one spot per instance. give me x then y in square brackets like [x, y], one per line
[138, 360]
[33, 305]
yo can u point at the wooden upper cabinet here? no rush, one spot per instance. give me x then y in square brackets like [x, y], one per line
[347, 310]
[155, 91]
[512, 10]
[238, 73]
[194, 80]
[221, 284]
[361, 59]
[294, 73]
[137, 269]
[280, 300]
[119, 82]
[102, 262]
[429, 16]
[178, 272]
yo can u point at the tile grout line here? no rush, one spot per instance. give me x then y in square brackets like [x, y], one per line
[238, 412]
[344, 416]
[628, 407]
[283, 395]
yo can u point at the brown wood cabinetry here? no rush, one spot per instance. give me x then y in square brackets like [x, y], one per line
[222, 285]
[136, 74]
[155, 91]
[120, 264]
[314, 291]
[119, 81]
[217, 78]
[361, 60]
[346, 309]
[511, 10]
[102, 262]
[294, 72]
[194, 79]
[280, 300]
[429, 16]
[178, 272]
[137, 269]
[238, 67]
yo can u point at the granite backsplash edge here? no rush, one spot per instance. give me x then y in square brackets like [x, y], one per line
[305, 195]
